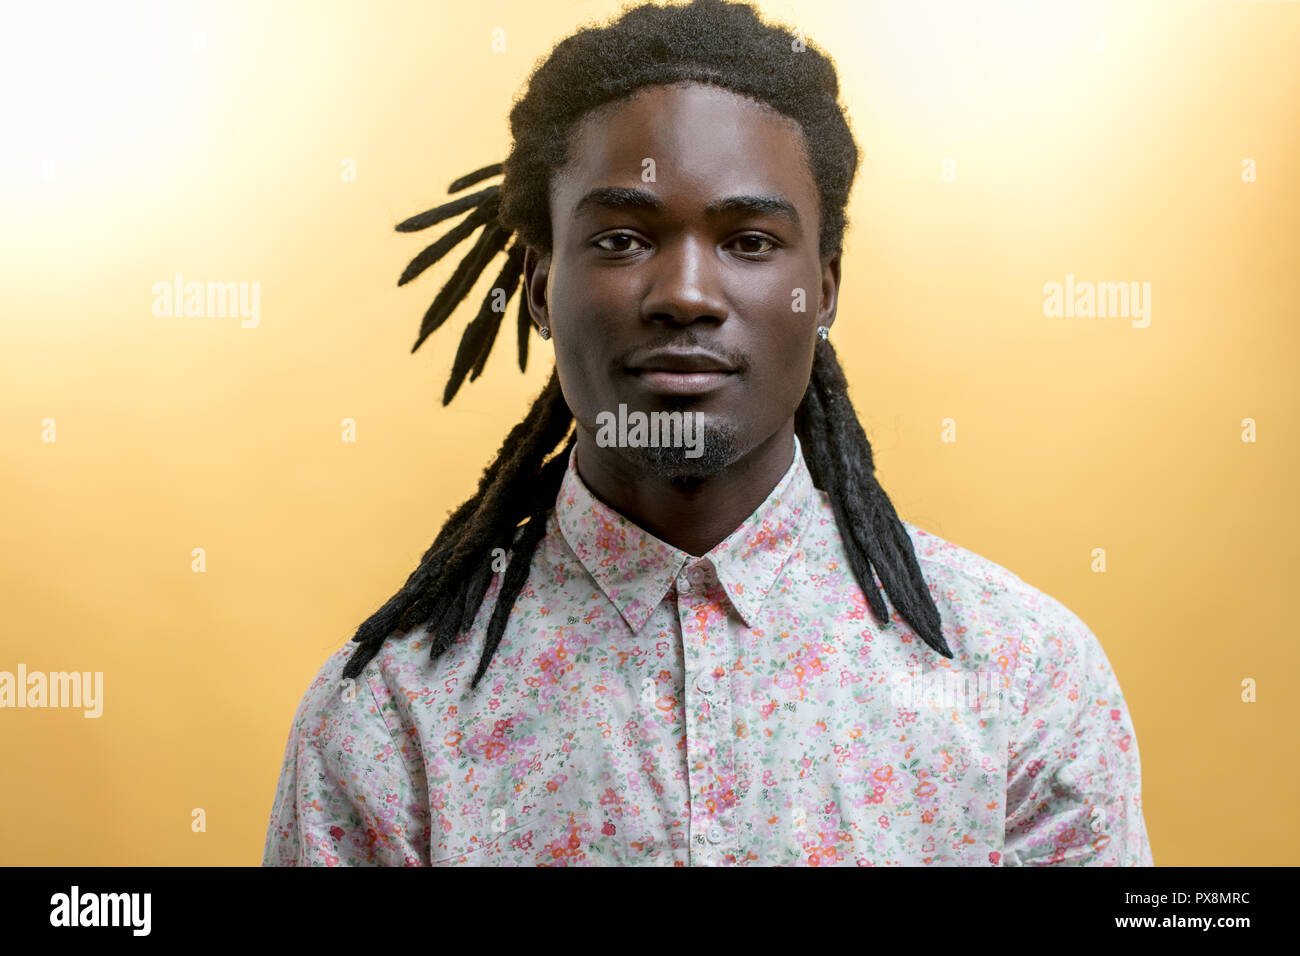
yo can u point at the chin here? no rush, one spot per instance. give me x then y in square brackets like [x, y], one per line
[712, 456]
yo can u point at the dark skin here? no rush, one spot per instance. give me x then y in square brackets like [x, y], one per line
[623, 280]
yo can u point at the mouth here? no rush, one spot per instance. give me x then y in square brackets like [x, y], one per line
[672, 382]
[682, 373]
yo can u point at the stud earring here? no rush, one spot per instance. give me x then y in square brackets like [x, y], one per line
[544, 332]
[823, 332]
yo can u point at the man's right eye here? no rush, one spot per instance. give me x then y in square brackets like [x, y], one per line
[617, 236]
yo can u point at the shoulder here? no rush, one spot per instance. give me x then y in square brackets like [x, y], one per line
[329, 699]
[949, 561]
[989, 610]
[334, 706]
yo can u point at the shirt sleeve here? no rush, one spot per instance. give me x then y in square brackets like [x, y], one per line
[1074, 782]
[350, 793]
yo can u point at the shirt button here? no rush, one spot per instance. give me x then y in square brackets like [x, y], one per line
[705, 683]
[696, 574]
[716, 834]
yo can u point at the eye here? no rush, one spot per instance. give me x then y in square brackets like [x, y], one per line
[757, 237]
[615, 236]
[753, 237]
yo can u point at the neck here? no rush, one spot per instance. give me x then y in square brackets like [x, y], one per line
[693, 516]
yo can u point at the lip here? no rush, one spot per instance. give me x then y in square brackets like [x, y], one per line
[666, 382]
[675, 360]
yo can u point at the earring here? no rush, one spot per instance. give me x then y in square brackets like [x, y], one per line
[823, 332]
[544, 332]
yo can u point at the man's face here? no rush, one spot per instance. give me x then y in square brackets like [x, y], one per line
[685, 273]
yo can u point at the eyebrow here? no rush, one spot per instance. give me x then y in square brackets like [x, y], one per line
[620, 197]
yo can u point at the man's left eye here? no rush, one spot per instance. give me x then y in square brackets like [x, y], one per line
[756, 238]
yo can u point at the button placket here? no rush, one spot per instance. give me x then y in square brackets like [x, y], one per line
[709, 709]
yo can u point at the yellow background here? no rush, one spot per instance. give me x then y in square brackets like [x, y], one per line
[146, 140]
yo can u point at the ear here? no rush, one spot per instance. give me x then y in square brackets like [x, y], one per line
[537, 267]
[830, 291]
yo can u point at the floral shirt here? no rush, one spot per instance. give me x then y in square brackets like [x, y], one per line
[648, 707]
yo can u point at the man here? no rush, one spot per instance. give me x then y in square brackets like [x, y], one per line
[628, 653]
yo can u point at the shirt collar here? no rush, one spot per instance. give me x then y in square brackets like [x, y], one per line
[635, 569]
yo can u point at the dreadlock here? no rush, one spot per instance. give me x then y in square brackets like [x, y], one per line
[707, 41]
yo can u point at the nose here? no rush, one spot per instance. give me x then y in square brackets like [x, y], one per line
[686, 286]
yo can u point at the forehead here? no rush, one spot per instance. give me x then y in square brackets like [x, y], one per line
[705, 142]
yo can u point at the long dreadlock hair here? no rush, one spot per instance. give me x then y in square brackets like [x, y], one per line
[708, 41]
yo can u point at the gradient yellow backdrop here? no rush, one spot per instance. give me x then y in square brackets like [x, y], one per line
[1102, 140]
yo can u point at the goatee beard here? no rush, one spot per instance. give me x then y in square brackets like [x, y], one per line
[719, 451]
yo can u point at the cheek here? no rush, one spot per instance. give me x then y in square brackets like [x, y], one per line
[582, 363]
[778, 381]
[782, 344]
[793, 362]
[798, 373]
[787, 309]
[575, 380]
[791, 289]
